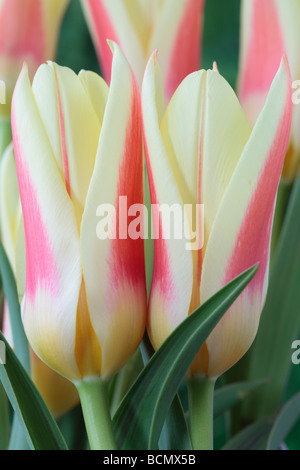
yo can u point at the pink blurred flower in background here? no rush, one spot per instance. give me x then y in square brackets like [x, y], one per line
[141, 26]
[269, 29]
[29, 32]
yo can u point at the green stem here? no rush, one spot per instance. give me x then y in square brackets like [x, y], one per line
[201, 396]
[95, 408]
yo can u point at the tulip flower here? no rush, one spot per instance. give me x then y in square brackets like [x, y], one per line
[28, 32]
[78, 148]
[269, 29]
[58, 392]
[139, 27]
[78, 145]
[201, 150]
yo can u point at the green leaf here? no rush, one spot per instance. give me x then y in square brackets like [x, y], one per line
[268, 433]
[41, 429]
[11, 295]
[270, 355]
[175, 433]
[284, 423]
[293, 387]
[4, 420]
[139, 419]
[221, 431]
[228, 396]
[253, 437]
[73, 429]
[18, 439]
[124, 380]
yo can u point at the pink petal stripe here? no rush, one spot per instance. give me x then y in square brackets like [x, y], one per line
[22, 29]
[161, 277]
[103, 30]
[40, 261]
[185, 57]
[127, 255]
[253, 241]
[264, 50]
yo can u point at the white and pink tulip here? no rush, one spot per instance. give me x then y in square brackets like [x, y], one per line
[202, 150]
[78, 144]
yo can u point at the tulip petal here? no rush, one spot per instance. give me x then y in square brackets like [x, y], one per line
[182, 137]
[262, 47]
[178, 57]
[59, 393]
[172, 280]
[12, 229]
[114, 269]
[20, 255]
[224, 118]
[203, 164]
[289, 14]
[268, 30]
[97, 90]
[117, 21]
[240, 236]
[9, 203]
[53, 267]
[72, 127]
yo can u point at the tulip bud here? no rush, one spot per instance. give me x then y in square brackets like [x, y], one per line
[78, 147]
[139, 27]
[202, 151]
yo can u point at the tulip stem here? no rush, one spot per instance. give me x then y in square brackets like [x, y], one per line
[95, 408]
[201, 397]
